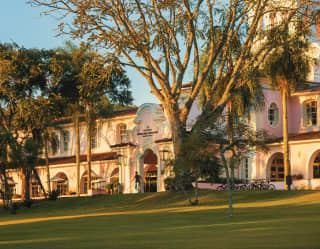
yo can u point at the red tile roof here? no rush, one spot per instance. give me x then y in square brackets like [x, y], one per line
[186, 85]
[123, 145]
[67, 120]
[299, 136]
[309, 90]
[83, 158]
[164, 140]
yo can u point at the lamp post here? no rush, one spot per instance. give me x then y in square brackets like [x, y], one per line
[165, 156]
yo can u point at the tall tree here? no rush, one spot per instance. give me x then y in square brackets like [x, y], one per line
[246, 98]
[88, 79]
[23, 75]
[71, 58]
[161, 40]
[100, 80]
[244, 140]
[287, 67]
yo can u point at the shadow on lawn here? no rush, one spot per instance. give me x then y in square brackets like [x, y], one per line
[292, 199]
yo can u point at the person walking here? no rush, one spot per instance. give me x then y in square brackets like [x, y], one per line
[137, 182]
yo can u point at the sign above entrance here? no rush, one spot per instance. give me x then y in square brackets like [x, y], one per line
[148, 132]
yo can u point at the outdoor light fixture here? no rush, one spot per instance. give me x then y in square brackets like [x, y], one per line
[164, 155]
[120, 159]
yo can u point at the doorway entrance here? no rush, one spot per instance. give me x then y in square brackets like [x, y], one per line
[150, 171]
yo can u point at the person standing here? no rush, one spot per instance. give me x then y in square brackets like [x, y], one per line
[137, 178]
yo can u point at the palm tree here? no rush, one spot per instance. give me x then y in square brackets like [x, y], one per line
[100, 84]
[247, 97]
[71, 59]
[287, 67]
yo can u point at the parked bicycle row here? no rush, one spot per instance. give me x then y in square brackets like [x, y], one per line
[256, 185]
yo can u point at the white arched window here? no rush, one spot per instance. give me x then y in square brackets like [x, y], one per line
[310, 113]
[277, 168]
[273, 114]
[316, 167]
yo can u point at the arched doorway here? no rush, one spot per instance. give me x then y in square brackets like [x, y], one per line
[60, 183]
[114, 177]
[84, 181]
[276, 168]
[316, 167]
[150, 171]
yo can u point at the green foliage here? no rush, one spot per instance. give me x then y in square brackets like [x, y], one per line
[27, 203]
[289, 62]
[53, 195]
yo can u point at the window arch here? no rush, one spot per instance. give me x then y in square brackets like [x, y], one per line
[277, 168]
[316, 167]
[114, 177]
[273, 114]
[60, 183]
[310, 113]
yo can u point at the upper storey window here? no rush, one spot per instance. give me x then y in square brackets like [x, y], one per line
[94, 140]
[123, 133]
[310, 113]
[273, 18]
[273, 114]
[66, 141]
[54, 144]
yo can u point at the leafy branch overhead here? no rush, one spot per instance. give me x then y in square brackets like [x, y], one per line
[162, 40]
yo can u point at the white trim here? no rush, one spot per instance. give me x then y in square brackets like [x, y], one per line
[62, 171]
[267, 166]
[309, 162]
[277, 118]
[309, 141]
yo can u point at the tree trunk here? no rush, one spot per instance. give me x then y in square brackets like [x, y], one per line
[89, 133]
[230, 134]
[178, 132]
[196, 192]
[35, 172]
[7, 195]
[47, 164]
[77, 132]
[286, 161]
[225, 165]
[26, 184]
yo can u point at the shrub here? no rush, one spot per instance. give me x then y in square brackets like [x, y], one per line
[170, 184]
[117, 187]
[178, 183]
[299, 177]
[27, 203]
[53, 195]
[109, 188]
[14, 207]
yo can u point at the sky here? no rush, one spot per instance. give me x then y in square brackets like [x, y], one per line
[23, 24]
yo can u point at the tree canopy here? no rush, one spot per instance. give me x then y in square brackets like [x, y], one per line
[162, 40]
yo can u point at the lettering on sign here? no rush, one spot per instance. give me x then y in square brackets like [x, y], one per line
[147, 133]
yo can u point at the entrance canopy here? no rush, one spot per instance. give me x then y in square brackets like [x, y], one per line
[57, 179]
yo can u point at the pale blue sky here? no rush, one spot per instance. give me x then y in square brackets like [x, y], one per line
[23, 24]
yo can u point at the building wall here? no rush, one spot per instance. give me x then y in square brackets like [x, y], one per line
[302, 155]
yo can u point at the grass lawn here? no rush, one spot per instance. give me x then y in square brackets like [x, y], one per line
[164, 220]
